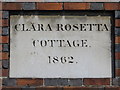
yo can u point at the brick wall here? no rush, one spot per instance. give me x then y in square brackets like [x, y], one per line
[56, 83]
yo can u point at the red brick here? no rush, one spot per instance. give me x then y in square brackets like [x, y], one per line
[112, 6]
[117, 40]
[81, 88]
[11, 88]
[49, 6]
[1, 72]
[0, 47]
[5, 72]
[76, 6]
[4, 55]
[12, 6]
[117, 72]
[97, 81]
[33, 82]
[0, 81]
[117, 56]
[3, 22]
[49, 88]
[4, 39]
[0, 31]
[0, 14]
[112, 88]
[0, 64]
[117, 22]
[0, 5]
[96, 0]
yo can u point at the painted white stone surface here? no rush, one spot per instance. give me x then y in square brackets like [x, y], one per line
[28, 59]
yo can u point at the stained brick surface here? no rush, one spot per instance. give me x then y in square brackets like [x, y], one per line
[3, 22]
[76, 6]
[117, 22]
[0, 47]
[49, 6]
[97, 81]
[5, 72]
[117, 40]
[117, 72]
[117, 56]
[4, 39]
[3, 55]
[32, 82]
[112, 6]
[12, 6]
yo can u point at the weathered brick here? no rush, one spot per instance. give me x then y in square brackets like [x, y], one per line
[56, 82]
[5, 15]
[117, 39]
[49, 6]
[0, 82]
[5, 31]
[9, 82]
[117, 47]
[49, 88]
[0, 47]
[112, 88]
[0, 14]
[4, 55]
[0, 5]
[5, 64]
[29, 6]
[111, 6]
[0, 72]
[12, 6]
[97, 81]
[83, 88]
[117, 56]
[97, 6]
[76, 6]
[11, 88]
[116, 81]
[33, 82]
[0, 64]
[117, 63]
[117, 14]
[28, 88]
[117, 31]
[0, 31]
[117, 22]
[4, 22]
[5, 47]
[117, 72]
[4, 39]
[75, 82]
[5, 72]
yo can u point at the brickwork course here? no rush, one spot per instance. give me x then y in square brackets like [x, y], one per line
[56, 83]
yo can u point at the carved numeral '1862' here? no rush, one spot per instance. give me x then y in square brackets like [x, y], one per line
[62, 60]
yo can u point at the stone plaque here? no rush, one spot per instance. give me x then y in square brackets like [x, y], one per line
[46, 46]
